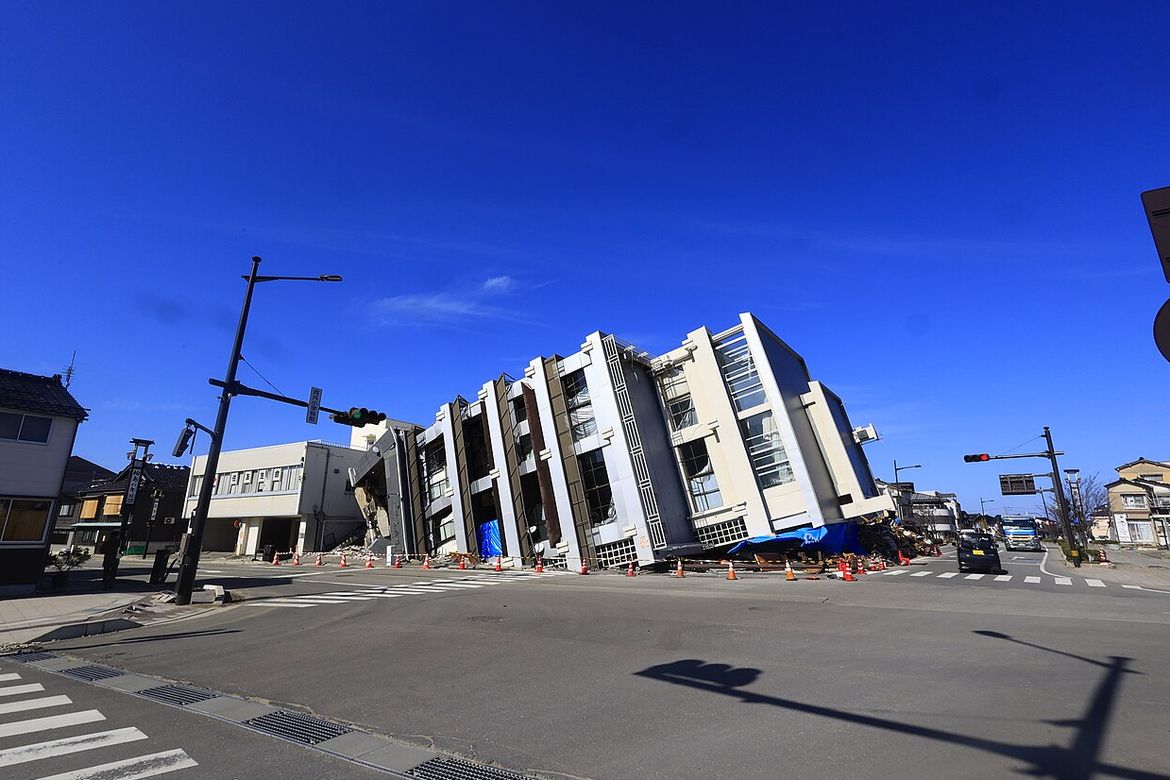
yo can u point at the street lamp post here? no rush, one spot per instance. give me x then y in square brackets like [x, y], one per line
[982, 513]
[898, 487]
[194, 541]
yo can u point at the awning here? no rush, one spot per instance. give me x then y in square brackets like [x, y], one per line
[833, 539]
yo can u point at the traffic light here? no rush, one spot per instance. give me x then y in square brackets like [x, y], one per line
[979, 458]
[358, 416]
[183, 442]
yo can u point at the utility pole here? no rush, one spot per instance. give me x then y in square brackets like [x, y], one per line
[1061, 502]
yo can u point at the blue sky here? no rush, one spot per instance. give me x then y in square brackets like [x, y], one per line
[937, 206]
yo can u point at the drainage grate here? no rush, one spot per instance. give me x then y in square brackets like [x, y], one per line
[297, 727]
[177, 694]
[26, 658]
[455, 769]
[91, 673]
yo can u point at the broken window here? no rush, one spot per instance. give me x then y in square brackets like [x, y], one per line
[579, 405]
[700, 476]
[434, 466]
[680, 409]
[766, 450]
[598, 495]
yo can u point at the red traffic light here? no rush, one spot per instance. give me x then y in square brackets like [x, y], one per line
[979, 458]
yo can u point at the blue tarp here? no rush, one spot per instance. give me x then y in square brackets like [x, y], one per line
[488, 536]
[834, 539]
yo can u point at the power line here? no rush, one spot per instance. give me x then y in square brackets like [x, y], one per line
[274, 387]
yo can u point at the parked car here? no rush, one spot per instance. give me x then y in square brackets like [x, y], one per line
[978, 552]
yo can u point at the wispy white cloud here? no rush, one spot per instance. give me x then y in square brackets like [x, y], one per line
[483, 301]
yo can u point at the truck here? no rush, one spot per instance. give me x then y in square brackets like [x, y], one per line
[1021, 533]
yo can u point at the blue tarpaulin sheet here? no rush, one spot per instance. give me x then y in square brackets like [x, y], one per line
[488, 536]
[834, 538]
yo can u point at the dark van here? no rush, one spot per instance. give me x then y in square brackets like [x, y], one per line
[977, 552]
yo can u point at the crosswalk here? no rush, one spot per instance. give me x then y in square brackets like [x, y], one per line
[56, 735]
[368, 592]
[1030, 579]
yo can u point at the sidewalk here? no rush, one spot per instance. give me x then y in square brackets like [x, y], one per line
[1146, 568]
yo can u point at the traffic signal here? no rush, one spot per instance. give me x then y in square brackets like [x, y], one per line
[979, 458]
[183, 442]
[358, 416]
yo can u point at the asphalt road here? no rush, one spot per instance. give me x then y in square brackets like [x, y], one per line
[654, 677]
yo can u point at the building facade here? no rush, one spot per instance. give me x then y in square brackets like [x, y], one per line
[1139, 502]
[79, 475]
[611, 455]
[291, 496]
[154, 519]
[38, 426]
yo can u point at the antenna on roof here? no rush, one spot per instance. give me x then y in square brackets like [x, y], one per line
[70, 370]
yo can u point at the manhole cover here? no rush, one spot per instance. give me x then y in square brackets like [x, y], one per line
[92, 673]
[296, 727]
[456, 769]
[177, 694]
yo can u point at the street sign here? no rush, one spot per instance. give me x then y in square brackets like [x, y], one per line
[1017, 484]
[132, 489]
[1157, 205]
[314, 405]
[1162, 329]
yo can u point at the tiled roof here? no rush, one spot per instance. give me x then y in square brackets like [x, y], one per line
[38, 394]
[157, 474]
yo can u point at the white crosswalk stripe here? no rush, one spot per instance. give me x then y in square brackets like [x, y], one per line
[1094, 583]
[369, 591]
[946, 575]
[1027, 580]
[9, 677]
[893, 572]
[1004, 578]
[922, 574]
[1063, 581]
[1031, 580]
[41, 753]
[974, 577]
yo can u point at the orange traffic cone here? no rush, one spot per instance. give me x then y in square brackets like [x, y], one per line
[499, 563]
[370, 561]
[426, 562]
[731, 571]
[902, 559]
[296, 559]
[275, 559]
[678, 572]
[630, 570]
[539, 565]
[397, 561]
[789, 575]
[343, 564]
[849, 576]
[320, 560]
[584, 567]
[462, 562]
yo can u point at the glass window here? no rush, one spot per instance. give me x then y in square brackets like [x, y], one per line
[519, 410]
[769, 459]
[35, 428]
[278, 479]
[579, 405]
[681, 412]
[524, 447]
[598, 495]
[9, 425]
[700, 476]
[739, 371]
[65, 510]
[1132, 501]
[113, 506]
[26, 521]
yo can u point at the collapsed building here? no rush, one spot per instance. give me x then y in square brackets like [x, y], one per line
[610, 456]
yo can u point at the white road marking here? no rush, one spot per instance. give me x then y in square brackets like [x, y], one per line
[278, 604]
[974, 577]
[9, 677]
[1094, 583]
[1004, 578]
[61, 747]
[1063, 581]
[1031, 580]
[51, 722]
[336, 596]
[34, 704]
[893, 572]
[210, 571]
[15, 690]
[946, 575]
[922, 574]
[1144, 588]
[132, 768]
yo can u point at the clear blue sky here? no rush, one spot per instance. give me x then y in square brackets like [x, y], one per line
[938, 207]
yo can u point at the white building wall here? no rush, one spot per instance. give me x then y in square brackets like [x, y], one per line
[35, 469]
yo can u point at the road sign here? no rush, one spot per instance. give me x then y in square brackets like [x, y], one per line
[314, 405]
[1017, 484]
[1162, 329]
[1157, 205]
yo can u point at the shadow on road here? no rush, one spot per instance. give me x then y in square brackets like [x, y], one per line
[1080, 760]
[83, 645]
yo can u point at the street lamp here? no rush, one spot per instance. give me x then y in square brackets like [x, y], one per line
[897, 486]
[982, 513]
[194, 541]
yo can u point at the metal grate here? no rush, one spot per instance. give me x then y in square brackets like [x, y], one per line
[617, 553]
[455, 769]
[177, 694]
[296, 727]
[722, 533]
[26, 658]
[91, 673]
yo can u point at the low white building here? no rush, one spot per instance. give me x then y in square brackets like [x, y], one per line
[291, 496]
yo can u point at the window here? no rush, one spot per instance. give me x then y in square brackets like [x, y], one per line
[519, 410]
[65, 510]
[579, 406]
[434, 466]
[25, 427]
[1152, 477]
[769, 460]
[680, 409]
[277, 476]
[524, 447]
[348, 486]
[1133, 501]
[700, 476]
[89, 508]
[261, 480]
[23, 520]
[598, 495]
[739, 371]
[113, 506]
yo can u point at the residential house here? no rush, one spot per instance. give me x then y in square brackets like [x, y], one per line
[152, 521]
[79, 475]
[1139, 501]
[38, 427]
